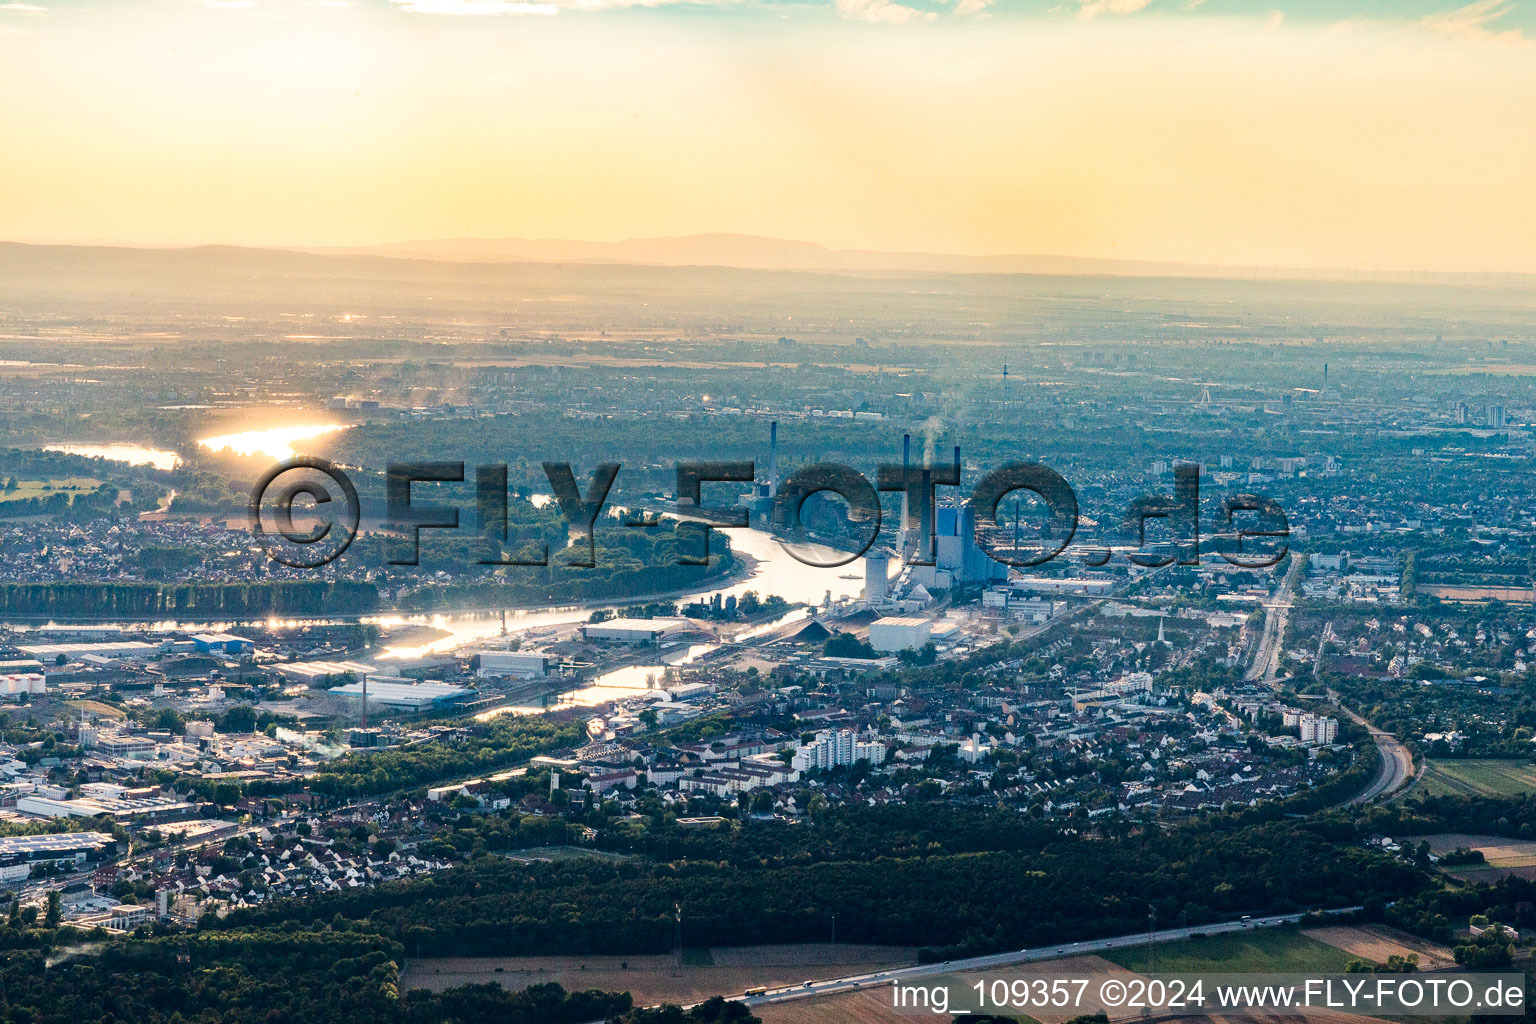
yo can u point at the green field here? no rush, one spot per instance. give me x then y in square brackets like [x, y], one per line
[43, 488]
[1262, 950]
[1457, 777]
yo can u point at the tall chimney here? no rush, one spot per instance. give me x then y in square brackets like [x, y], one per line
[957, 482]
[925, 536]
[906, 467]
[773, 459]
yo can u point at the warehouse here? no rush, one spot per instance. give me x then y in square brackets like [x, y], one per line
[312, 672]
[523, 664]
[632, 631]
[121, 809]
[411, 696]
[63, 846]
[1086, 586]
[49, 654]
[223, 643]
[898, 634]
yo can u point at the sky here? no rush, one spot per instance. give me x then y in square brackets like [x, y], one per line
[1309, 133]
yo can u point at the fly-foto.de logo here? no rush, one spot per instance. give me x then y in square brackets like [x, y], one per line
[326, 498]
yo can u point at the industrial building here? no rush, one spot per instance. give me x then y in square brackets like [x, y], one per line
[136, 747]
[632, 631]
[1087, 586]
[78, 847]
[119, 808]
[899, 634]
[410, 696]
[522, 664]
[310, 672]
[223, 643]
[15, 685]
[955, 547]
[49, 654]
[877, 571]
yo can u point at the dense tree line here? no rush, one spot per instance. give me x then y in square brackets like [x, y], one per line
[1497, 719]
[714, 1010]
[609, 579]
[1436, 913]
[80, 504]
[1512, 816]
[851, 833]
[138, 600]
[626, 562]
[272, 975]
[1043, 892]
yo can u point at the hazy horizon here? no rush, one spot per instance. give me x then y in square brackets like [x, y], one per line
[729, 251]
[1348, 136]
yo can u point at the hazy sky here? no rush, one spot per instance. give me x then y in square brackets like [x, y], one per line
[1331, 133]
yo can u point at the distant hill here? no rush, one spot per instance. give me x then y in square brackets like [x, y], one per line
[594, 294]
[755, 252]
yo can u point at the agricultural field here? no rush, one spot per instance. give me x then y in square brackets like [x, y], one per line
[1376, 943]
[1090, 966]
[1275, 951]
[655, 979]
[874, 1005]
[1503, 856]
[43, 488]
[868, 1007]
[1476, 777]
[1279, 950]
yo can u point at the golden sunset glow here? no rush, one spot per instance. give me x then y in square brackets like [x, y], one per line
[1276, 139]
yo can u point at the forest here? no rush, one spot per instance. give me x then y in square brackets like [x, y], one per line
[955, 894]
[281, 974]
[175, 600]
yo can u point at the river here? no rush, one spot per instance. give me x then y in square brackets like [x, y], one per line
[773, 572]
[125, 452]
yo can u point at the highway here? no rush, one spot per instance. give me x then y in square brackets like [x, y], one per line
[1396, 767]
[859, 982]
[1266, 657]
[1396, 762]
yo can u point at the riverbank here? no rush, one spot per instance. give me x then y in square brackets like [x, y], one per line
[744, 569]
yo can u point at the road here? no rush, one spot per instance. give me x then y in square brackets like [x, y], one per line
[833, 986]
[1266, 657]
[1396, 762]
